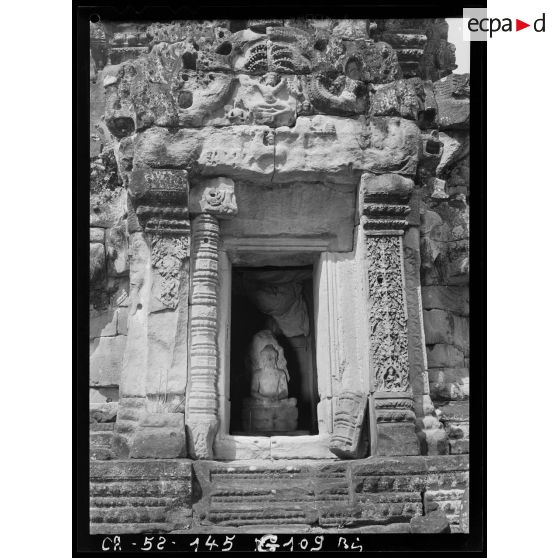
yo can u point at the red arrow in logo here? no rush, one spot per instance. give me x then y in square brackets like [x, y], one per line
[519, 25]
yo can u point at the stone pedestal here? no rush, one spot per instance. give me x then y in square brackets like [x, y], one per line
[262, 415]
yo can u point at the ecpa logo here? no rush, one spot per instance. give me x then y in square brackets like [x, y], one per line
[477, 26]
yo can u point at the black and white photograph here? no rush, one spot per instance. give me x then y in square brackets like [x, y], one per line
[279, 276]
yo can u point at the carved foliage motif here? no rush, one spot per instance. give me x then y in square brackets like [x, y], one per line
[387, 313]
[167, 257]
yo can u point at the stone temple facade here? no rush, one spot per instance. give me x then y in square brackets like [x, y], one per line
[279, 328]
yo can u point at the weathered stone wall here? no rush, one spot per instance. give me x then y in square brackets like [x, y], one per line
[193, 123]
[444, 230]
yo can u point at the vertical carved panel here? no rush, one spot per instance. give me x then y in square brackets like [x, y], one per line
[384, 207]
[387, 313]
[201, 414]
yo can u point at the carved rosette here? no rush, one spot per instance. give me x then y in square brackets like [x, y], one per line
[213, 198]
[384, 207]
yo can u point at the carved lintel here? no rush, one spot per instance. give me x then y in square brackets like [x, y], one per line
[346, 440]
[214, 196]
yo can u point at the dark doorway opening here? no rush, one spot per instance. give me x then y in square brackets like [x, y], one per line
[279, 300]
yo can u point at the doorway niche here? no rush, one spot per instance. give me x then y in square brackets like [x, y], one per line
[279, 299]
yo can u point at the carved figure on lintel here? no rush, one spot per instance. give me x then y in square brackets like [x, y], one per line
[269, 407]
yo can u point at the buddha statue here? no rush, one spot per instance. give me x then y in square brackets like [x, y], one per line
[269, 408]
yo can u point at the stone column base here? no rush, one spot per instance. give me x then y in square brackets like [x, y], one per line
[159, 435]
[395, 420]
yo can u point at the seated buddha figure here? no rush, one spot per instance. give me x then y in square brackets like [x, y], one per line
[269, 407]
[269, 381]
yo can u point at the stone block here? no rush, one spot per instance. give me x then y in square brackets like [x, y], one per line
[101, 395]
[97, 269]
[303, 447]
[103, 412]
[452, 97]
[122, 321]
[270, 416]
[444, 356]
[230, 448]
[459, 447]
[97, 235]
[446, 501]
[452, 391]
[107, 207]
[321, 147]
[464, 514]
[438, 327]
[389, 507]
[461, 333]
[116, 245]
[455, 411]
[136, 496]
[100, 445]
[102, 323]
[433, 522]
[159, 435]
[397, 439]
[105, 362]
[453, 114]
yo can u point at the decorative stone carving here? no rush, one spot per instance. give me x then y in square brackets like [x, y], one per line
[353, 98]
[201, 397]
[384, 208]
[269, 408]
[167, 258]
[346, 441]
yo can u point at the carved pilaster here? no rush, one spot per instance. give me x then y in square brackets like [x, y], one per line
[214, 198]
[384, 206]
[152, 391]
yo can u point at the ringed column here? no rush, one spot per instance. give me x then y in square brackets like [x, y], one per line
[211, 201]
[384, 206]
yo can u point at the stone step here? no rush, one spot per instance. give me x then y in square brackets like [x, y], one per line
[128, 528]
[131, 501]
[142, 488]
[101, 426]
[128, 514]
[139, 496]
